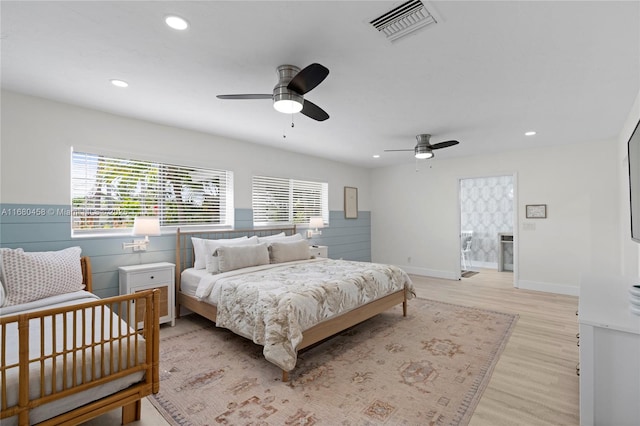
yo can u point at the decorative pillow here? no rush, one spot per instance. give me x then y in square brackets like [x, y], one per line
[1, 294]
[212, 245]
[31, 276]
[288, 251]
[236, 257]
[200, 250]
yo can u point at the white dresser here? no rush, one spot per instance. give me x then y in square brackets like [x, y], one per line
[609, 353]
[148, 276]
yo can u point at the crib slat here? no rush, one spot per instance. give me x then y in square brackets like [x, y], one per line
[23, 356]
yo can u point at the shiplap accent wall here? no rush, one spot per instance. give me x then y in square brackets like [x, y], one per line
[45, 227]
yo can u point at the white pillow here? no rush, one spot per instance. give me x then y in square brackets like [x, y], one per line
[212, 245]
[271, 237]
[30, 276]
[282, 238]
[236, 257]
[288, 251]
[200, 250]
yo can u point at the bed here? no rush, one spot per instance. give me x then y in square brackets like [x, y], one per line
[285, 302]
[68, 357]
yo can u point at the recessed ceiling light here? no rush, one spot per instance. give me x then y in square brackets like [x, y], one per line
[119, 83]
[176, 22]
[531, 133]
[376, 155]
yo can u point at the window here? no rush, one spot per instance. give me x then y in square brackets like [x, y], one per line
[278, 201]
[108, 193]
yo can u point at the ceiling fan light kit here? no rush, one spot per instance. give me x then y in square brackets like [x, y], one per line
[285, 100]
[423, 152]
[423, 149]
[286, 105]
[288, 94]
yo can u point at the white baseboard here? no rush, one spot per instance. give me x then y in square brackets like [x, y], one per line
[565, 289]
[448, 275]
[556, 288]
[486, 265]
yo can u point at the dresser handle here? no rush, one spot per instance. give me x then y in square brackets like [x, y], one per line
[151, 276]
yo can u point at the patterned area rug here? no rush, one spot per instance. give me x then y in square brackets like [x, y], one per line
[429, 368]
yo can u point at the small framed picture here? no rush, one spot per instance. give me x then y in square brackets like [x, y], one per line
[350, 202]
[536, 211]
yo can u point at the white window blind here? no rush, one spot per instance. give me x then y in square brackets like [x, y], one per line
[108, 193]
[278, 201]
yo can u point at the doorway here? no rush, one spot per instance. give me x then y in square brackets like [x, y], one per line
[487, 217]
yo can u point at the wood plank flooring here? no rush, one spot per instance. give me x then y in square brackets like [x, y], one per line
[535, 381]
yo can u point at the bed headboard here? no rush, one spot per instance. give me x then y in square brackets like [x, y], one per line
[85, 264]
[184, 247]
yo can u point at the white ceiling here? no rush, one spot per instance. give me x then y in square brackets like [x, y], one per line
[485, 74]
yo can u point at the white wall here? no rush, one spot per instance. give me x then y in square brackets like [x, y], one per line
[37, 135]
[416, 214]
[630, 259]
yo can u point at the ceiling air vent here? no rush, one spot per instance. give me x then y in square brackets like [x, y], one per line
[404, 20]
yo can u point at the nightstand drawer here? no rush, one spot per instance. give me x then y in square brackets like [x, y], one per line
[163, 276]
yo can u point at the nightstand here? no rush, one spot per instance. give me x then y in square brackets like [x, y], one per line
[161, 275]
[318, 251]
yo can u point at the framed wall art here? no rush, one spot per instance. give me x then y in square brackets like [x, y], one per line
[350, 202]
[536, 211]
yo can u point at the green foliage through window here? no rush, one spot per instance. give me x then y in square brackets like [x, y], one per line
[108, 193]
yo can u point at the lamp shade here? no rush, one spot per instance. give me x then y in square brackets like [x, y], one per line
[146, 225]
[316, 222]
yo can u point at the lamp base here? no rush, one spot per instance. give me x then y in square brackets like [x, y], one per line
[311, 233]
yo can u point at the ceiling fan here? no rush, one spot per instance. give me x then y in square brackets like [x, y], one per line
[293, 84]
[423, 148]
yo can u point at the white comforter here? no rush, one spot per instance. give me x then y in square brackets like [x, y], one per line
[93, 331]
[273, 304]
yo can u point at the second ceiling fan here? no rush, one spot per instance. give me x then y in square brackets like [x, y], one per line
[288, 94]
[423, 148]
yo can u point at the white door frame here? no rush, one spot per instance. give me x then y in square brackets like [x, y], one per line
[516, 226]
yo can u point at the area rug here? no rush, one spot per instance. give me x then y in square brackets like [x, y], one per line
[429, 368]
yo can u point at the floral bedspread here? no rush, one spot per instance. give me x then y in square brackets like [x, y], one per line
[273, 304]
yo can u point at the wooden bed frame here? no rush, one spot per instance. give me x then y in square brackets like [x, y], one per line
[129, 399]
[315, 334]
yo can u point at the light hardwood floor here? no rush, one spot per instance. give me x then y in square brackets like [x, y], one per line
[535, 381]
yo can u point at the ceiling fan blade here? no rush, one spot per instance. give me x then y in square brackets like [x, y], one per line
[312, 110]
[390, 150]
[254, 96]
[444, 144]
[308, 78]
